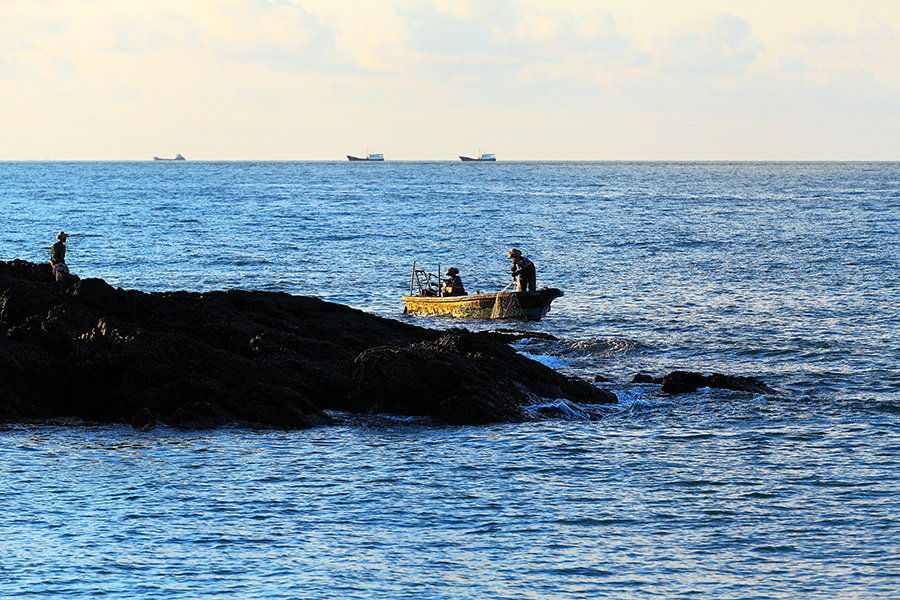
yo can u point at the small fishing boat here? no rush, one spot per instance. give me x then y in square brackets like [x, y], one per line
[177, 157]
[524, 306]
[485, 157]
[374, 157]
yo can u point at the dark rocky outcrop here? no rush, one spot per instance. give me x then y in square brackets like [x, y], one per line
[685, 382]
[84, 349]
[471, 378]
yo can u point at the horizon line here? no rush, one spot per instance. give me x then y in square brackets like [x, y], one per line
[457, 160]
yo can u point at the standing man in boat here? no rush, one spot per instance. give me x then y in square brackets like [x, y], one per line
[523, 271]
[453, 285]
[58, 256]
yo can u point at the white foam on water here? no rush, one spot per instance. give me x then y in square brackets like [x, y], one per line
[557, 407]
[554, 362]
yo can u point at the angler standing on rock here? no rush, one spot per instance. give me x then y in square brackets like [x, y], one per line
[58, 256]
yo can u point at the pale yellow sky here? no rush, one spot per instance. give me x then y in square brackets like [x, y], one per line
[432, 79]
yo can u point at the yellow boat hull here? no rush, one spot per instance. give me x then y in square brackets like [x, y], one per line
[525, 306]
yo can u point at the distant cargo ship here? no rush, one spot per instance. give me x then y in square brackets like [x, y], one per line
[177, 157]
[481, 157]
[372, 157]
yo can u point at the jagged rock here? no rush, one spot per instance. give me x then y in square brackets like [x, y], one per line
[87, 350]
[424, 380]
[462, 377]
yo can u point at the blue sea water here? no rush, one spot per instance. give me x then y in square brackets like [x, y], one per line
[785, 271]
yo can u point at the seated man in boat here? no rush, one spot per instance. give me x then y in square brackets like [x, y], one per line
[453, 285]
[523, 271]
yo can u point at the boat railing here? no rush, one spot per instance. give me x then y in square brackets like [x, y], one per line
[428, 283]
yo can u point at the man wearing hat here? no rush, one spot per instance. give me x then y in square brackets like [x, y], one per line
[453, 285]
[58, 256]
[523, 271]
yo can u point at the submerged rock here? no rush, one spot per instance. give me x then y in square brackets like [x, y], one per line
[84, 349]
[644, 378]
[685, 382]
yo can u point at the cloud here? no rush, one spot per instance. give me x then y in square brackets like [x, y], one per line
[271, 35]
[867, 33]
[9, 67]
[503, 29]
[511, 53]
[435, 31]
[28, 47]
[279, 36]
[131, 34]
[717, 45]
[24, 28]
[868, 46]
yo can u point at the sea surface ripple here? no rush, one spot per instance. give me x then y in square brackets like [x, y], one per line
[785, 271]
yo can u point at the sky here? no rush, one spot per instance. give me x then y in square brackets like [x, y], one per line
[433, 79]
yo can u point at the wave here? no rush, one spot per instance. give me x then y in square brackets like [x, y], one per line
[593, 347]
[554, 362]
[630, 403]
[560, 409]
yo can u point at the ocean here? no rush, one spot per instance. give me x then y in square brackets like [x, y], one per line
[789, 272]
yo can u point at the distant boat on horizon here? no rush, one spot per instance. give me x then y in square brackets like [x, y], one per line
[177, 157]
[484, 157]
[375, 157]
